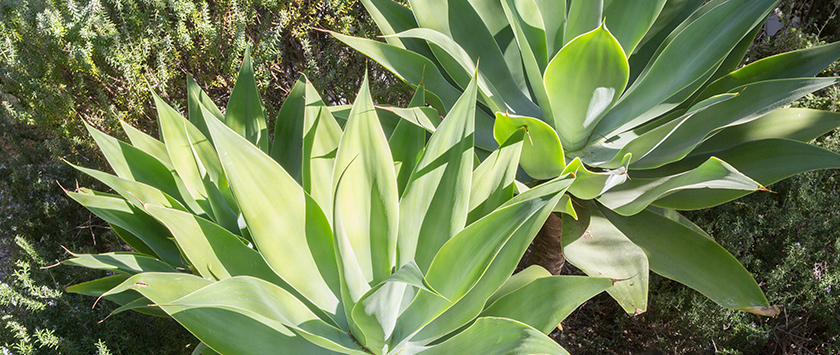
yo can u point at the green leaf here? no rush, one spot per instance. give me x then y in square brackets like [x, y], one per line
[542, 153]
[754, 100]
[377, 311]
[367, 195]
[411, 67]
[589, 185]
[130, 263]
[196, 163]
[584, 16]
[321, 135]
[788, 123]
[134, 192]
[146, 143]
[249, 312]
[492, 181]
[795, 64]
[245, 113]
[490, 335]
[118, 212]
[642, 140]
[392, 17]
[496, 243]
[553, 14]
[559, 295]
[714, 174]
[303, 254]
[583, 81]
[435, 203]
[673, 14]
[407, 141]
[631, 20]
[517, 280]
[693, 52]
[458, 64]
[98, 287]
[528, 26]
[134, 165]
[686, 256]
[196, 98]
[597, 247]
[287, 146]
[258, 303]
[463, 21]
[767, 161]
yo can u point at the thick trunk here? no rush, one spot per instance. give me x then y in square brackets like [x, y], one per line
[546, 250]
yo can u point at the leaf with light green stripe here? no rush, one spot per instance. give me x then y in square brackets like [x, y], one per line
[631, 20]
[245, 113]
[714, 174]
[542, 153]
[408, 66]
[392, 17]
[583, 81]
[259, 302]
[559, 295]
[270, 202]
[596, 246]
[754, 100]
[196, 163]
[98, 287]
[553, 14]
[681, 254]
[435, 203]
[459, 65]
[287, 146]
[490, 335]
[134, 192]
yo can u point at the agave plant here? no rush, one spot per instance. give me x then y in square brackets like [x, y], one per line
[642, 101]
[319, 242]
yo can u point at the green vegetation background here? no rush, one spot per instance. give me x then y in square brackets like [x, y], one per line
[64, 61]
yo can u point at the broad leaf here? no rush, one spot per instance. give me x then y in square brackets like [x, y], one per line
[682, 254]
[597, 247]
[542, 153]
[583, 81]
[490, 335]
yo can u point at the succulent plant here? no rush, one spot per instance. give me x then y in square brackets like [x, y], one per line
[328, 239]
[642, 101]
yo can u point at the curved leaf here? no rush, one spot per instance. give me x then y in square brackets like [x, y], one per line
[583, 81]
[584, 16]
[492, 182]
[686, 256]
[714, 174]
[435, 203]
[303, 253]
[542, 153]
[559, 295]
[287, 147]
[130, 263]
[630, 20]
[692, 53]
[597, 247]
[490, 335]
